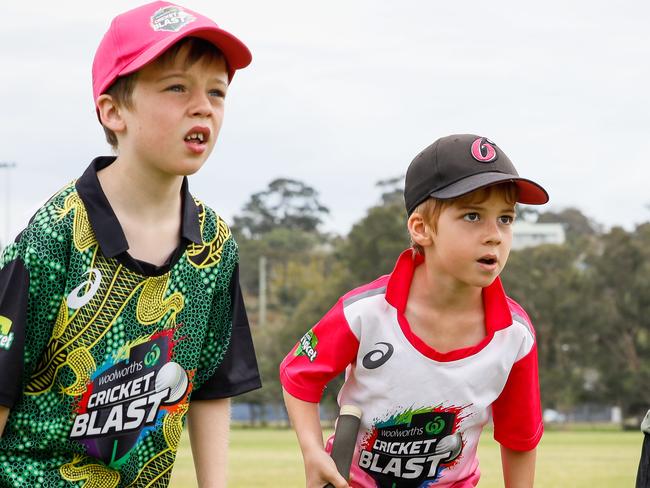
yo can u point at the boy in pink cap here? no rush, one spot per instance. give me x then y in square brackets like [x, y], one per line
[120, 307]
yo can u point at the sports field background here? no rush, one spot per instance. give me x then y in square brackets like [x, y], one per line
[269, 458]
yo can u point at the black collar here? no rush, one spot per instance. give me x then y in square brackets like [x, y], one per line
[107, 228]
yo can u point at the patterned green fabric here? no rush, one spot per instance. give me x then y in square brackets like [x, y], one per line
[111, 356]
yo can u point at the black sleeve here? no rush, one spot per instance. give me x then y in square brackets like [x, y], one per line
[238, 373]
[643, 474]
[14, 295]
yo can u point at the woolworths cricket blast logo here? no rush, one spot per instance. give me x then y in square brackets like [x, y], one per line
[171, 19]
[128, 397]
[307, 346]
[412, 448]
[6, 336]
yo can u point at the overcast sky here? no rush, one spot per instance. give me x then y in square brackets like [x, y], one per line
[342, 94]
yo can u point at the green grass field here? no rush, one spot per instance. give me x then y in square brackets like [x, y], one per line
[269, 458]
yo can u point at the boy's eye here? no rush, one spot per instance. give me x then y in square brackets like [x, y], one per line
[176, 88]
[471, 217]
[506, 219]
[217, 93]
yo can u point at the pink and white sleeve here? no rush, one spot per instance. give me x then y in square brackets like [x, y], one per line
[319, 356]
[517, 412]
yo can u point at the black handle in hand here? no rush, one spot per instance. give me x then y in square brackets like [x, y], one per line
[345, 438]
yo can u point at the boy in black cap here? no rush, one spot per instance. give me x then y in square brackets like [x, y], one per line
[434, 349]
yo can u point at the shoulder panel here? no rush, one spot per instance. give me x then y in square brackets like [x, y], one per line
[362, 295]
[373, 288]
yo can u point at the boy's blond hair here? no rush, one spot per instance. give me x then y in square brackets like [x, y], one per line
[431, 208]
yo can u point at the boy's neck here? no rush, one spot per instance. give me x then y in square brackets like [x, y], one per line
[148, 206]
[443, 313]
[442, 292]
[140, 191]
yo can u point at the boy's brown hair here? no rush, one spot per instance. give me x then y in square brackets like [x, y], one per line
[122, 90]
[431, 208]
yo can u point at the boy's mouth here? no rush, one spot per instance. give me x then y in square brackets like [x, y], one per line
[196, 139]
[489, 260]
[198, 135]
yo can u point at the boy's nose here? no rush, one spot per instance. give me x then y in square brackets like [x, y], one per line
[201, 106]
[493, 233]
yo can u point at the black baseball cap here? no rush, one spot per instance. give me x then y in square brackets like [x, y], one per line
[459, 164]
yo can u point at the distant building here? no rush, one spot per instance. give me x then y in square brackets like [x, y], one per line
[530, 234]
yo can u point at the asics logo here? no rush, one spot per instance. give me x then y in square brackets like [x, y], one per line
[75, 299]
[378, 357]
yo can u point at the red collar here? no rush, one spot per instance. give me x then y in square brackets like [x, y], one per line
[495, 305]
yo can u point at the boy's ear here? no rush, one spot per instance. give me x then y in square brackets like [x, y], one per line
[110, 113]
[421, 232]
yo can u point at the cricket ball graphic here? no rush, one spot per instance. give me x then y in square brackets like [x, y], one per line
[174, 377]
[452, 444]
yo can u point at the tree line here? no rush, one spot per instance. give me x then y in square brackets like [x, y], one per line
[589, 298]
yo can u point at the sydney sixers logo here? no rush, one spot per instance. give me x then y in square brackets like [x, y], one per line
[483, 150]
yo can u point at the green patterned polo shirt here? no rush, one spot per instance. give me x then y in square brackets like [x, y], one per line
[100, 354]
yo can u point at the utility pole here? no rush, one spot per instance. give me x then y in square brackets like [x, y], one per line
[262, 292]
[8, 165]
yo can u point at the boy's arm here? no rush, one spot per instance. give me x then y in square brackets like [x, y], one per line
[518, 467]
[321, 354]
[209, 427]
[319, 466]
[4, 413]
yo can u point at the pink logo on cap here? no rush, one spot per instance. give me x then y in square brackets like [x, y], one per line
[483, 150]
[171, 19]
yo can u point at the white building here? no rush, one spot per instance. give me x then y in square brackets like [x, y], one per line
[530, 234]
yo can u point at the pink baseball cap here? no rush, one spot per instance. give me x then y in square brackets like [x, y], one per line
[139, 36]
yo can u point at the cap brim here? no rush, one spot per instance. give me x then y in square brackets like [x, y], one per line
[529, 192]
[237, 55]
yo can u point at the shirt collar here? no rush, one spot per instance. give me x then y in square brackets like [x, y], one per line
[495, 303]
[107, 228]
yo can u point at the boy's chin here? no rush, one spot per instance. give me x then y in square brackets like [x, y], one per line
[188, 172]
[485, 281]
[489, 283]
[185, 169]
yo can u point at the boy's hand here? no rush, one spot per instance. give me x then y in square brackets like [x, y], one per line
[320, 470]
[4, 414]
